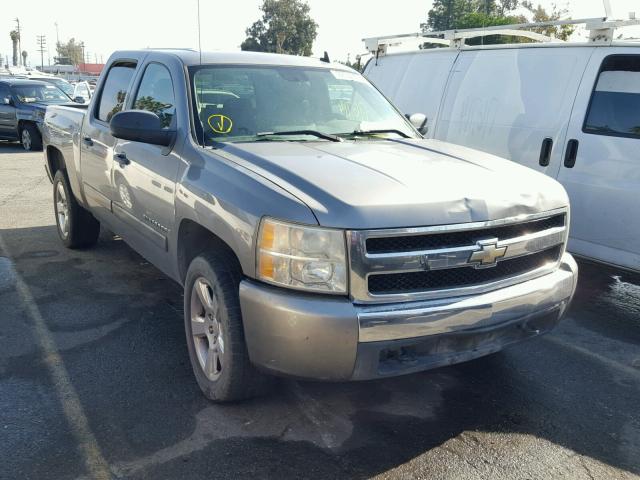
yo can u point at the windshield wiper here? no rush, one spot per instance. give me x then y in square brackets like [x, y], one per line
[375, 132]
[315, 133]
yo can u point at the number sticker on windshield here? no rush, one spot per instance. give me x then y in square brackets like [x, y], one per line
[220, 123]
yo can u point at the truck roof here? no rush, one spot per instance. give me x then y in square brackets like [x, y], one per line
[190, 57]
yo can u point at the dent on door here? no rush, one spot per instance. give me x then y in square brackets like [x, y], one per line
[144, 190]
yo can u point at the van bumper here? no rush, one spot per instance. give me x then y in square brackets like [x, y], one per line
[330, 338]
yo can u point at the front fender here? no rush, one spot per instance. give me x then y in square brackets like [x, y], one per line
[31, 116]
[230, 201]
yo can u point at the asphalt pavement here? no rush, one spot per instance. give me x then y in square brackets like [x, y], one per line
[95, 381]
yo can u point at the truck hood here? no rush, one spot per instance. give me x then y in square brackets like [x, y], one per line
[34, 106]
[32, 111]
[398, 183]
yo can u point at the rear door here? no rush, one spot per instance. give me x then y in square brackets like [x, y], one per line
[414, 81]
[601, 163]
[513, 102]
[96, 143]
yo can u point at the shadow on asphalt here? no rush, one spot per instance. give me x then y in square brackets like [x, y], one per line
[117, 323]
[10, 147]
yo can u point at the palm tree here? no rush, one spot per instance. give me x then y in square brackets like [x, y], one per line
[15, 37]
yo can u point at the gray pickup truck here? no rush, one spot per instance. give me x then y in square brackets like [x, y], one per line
[316, 233]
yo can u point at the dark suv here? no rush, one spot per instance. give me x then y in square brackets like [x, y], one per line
[22, 107]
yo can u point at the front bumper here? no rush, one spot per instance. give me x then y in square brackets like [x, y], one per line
[330, 338]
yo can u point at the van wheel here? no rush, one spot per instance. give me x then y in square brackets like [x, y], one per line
[215, 335]
[76, 226]
[30, 138]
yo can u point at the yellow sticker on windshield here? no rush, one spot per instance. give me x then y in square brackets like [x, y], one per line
[220, 123]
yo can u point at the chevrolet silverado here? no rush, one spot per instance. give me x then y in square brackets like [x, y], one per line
[316, 233]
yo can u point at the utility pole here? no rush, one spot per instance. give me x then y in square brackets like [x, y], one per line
[42, 46]
[57, 44]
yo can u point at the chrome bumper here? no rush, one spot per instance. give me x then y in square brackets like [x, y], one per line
[315, 336]
[450, 315]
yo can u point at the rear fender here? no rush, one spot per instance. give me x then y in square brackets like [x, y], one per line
[56, 160]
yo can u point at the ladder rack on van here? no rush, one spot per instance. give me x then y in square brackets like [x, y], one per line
[601, 30]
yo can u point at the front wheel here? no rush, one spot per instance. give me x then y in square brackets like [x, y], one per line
[30, 138]
[215, 335]
[76, 226]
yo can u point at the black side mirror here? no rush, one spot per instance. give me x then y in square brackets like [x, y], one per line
[141, 126]
[78, 99]
[419, 121]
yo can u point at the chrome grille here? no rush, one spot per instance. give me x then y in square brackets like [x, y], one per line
[456, 239]
[459, 277]
[441, 261]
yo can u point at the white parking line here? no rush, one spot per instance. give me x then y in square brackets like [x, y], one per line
[96, 464]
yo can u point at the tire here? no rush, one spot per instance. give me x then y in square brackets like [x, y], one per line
[77, 228]
[30, 138]
[215, 335]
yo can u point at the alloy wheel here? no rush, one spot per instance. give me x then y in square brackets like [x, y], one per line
[206, 328]
[62, 210]
[26, 139]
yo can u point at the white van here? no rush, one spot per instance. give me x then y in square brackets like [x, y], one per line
[570, 110]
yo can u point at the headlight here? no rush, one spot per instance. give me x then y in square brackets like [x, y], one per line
[39, 114]
[306, 258]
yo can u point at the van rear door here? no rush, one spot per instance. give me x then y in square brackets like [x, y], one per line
[414, 81]
[601, 159]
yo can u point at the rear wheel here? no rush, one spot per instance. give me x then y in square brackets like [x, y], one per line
[215, 335]
[30, 138]
[76, 226]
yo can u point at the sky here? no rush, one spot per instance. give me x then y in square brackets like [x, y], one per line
[132, 24]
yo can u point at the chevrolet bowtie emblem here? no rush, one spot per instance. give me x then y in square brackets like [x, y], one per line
[488, 254]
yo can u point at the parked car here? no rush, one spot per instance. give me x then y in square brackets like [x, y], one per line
[570, 110]
[61, 83]
[82, 92]
[22, 108]
[315, 232]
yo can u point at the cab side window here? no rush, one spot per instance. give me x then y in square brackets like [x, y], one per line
[5, 92]
[114, 91]
[615, 102]
[155, 94]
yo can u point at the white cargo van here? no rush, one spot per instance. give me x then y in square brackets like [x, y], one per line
[571, 110]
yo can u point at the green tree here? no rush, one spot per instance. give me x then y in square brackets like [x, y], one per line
[446, 14]
[69, 53]
[150, 104]
[285, 27]
[461, 14]
[539, 14]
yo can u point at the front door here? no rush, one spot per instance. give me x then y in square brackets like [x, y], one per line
[96, 143]
[144, 175]
[8, 120]
[601, 160]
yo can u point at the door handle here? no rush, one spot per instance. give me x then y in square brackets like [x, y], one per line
[122, 159]
[88, 141]
[545, 152]
[571, 154]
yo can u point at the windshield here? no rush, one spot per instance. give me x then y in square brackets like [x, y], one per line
[39, 93]
[63, 85]
[252, 103]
